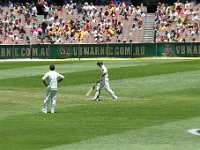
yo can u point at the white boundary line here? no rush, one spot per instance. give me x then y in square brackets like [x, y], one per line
[104, 58]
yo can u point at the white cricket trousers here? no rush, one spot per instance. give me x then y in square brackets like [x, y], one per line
[50, 96]
[104, 83]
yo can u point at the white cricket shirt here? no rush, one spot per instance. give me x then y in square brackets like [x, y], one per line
[104, 70]
[52, 79]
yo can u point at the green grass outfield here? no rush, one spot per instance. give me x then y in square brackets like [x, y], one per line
[159, 100]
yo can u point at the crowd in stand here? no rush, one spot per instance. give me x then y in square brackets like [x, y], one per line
[177, 23]
[87, 23]
[71, 23]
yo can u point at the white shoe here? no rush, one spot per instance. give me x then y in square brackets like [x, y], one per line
[95, 99]
[44, 111]
[52, 111]
[115, 98]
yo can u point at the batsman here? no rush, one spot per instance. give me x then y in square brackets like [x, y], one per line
[103, 82]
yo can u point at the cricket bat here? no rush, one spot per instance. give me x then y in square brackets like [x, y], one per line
[90, 91]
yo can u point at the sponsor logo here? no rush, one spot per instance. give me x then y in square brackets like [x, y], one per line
[64, 51]
[168, 49]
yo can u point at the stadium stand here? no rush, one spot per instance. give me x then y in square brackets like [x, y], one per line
[31, 23]
[71, 23]
[177, 23]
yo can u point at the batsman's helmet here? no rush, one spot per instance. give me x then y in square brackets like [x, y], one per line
[52, 67]
[99, 63]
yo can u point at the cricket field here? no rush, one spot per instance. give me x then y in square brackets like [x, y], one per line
[158, 102]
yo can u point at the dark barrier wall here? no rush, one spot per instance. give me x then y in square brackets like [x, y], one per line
[125, 50]
[179, 49]
[103, 50]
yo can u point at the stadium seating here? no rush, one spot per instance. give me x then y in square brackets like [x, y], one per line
[178, 23]
[88, 25]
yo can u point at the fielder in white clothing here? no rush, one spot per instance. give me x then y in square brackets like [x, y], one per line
[51, 80]
[103, 82]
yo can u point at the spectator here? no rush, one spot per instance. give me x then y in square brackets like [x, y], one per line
[119, 28]
[70, 11]
[15, 39]
[22, 31]
[195, 17]
[46, 10]
[106, 12]
[1, 11]
[44, 27]
[70, 5]
[57, 40]
[28, 39]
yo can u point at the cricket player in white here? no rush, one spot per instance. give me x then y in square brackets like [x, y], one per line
[103, 82]
[51, 80]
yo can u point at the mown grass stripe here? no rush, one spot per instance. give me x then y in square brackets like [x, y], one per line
[159, 137]
[18, 64]
[26, 69]
[150, 85]
[23, 64]
[90, 76]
